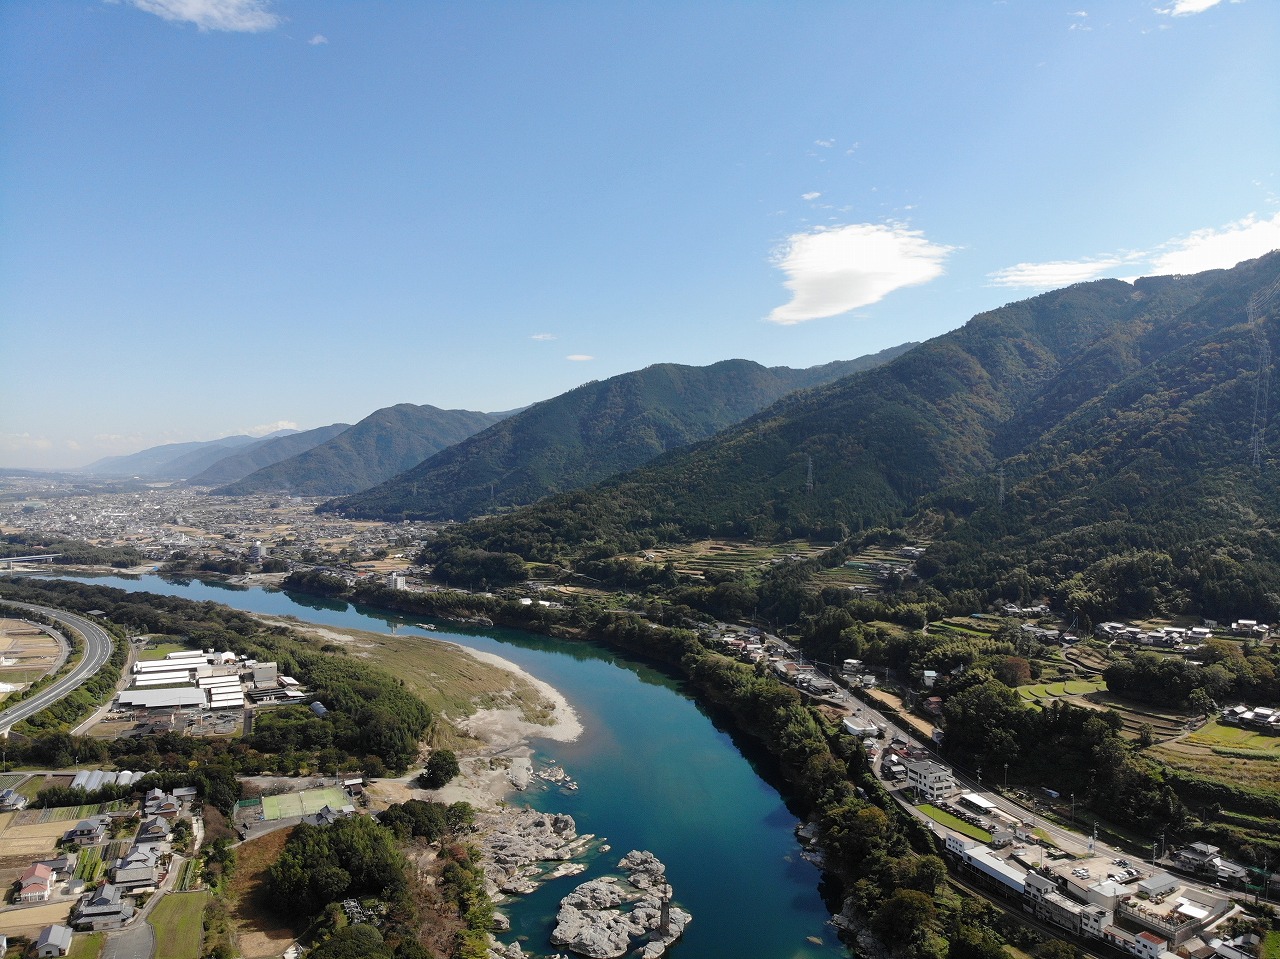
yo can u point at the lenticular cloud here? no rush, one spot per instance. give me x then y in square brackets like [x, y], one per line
[833, 271]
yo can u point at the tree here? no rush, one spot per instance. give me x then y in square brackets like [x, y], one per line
[906, 914]
[355, 942]
[441, 768]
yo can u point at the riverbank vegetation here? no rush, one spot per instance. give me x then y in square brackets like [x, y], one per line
[373, 723]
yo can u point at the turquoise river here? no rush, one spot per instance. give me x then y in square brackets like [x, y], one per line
[655, 772]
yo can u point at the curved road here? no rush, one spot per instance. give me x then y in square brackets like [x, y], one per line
[97, 650]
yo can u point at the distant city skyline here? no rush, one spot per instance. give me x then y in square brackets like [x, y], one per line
[235, 216]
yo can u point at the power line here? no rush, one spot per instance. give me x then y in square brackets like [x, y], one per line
[1255, 310]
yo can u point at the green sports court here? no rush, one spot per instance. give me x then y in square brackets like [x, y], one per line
[305, 803]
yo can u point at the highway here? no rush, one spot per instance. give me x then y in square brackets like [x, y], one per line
[97, 650]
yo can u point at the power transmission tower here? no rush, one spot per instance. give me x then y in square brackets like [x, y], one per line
[808, 482]
[1000, 474]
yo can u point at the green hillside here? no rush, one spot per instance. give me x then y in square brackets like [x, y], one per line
[1110, 401]
[587, 434]
[381, 445]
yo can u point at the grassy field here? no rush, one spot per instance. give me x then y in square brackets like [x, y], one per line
[259, 932]
[954, 824]
[450, 680]
[87, 945]
[176, 920]
[1042, 693]
[161, 649]
[1215, 734]
[1271, 946]
[1227, 753]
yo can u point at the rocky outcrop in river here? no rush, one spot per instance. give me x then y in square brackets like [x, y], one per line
[515, 843]
[603, 918]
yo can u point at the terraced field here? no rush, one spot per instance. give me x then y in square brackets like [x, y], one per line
[733, 555]
[1229, 754]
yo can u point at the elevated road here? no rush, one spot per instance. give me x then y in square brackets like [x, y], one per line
[97, 650]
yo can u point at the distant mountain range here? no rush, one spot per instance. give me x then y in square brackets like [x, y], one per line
[597, 430]
[250, 459]
[175, 461]
[1123, 415]
[384, 443]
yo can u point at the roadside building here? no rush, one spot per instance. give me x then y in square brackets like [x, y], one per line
[932, 781]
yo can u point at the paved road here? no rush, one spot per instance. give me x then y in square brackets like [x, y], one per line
[97, 651]
[136, 942]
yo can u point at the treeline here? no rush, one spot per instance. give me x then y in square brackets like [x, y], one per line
[374, 722]
[72, 552]
[1225, 671]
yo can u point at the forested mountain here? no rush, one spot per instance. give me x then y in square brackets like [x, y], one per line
[587, 434]
[250, 459]
[174, 460]
[1124, 412]
[384, 443]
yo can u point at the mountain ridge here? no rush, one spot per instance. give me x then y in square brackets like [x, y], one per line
[384, 443]
[587, 433]
[877, 444]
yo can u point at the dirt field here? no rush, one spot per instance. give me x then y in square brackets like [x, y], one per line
[258, 932]
[29, 842]
[26, 654]
[29, 921]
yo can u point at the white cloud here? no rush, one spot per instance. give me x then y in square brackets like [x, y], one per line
[824, 143]
[318, 39]
[1218, 249]
[810, 196]
[241, 16]
[1183, 8]
[543, 336]
[1050, 276]
[834, 270]
[266, 428]
[23, 442]
[579, 357]
[1209, 249]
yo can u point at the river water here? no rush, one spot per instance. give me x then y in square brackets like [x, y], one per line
[655, 773]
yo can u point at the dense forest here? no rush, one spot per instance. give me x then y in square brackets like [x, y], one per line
[592, 432]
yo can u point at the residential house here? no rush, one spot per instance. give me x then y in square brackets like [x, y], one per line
[136, 870]
[157, 802]
[36, 884]
[61, 866]
[53, 941]
[11, 800]
[328, 815]
[104, 908]
[89, 832]
[155, 829]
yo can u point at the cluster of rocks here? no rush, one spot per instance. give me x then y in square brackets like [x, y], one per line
[515, 843]
[603, 917]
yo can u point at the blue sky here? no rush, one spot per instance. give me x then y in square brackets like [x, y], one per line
[223, 216]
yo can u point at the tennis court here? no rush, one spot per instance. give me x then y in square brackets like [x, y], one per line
[305, 803]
